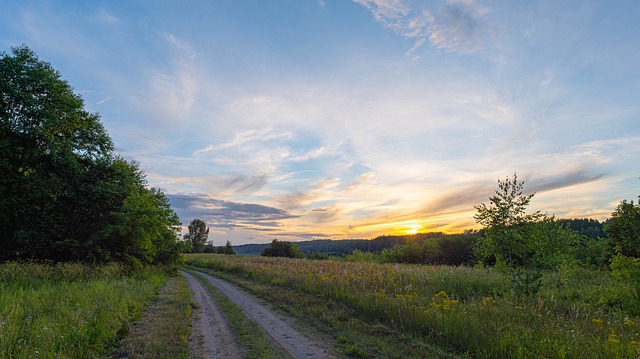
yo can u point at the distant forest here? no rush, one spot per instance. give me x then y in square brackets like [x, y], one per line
[590, 229]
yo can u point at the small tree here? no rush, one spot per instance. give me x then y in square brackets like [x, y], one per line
[228, 249]
[198, 235]
[506, 224]
[521, 243]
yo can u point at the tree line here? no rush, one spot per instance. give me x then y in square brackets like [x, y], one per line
[65, 195]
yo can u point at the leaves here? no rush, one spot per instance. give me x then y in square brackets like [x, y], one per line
[64, 195]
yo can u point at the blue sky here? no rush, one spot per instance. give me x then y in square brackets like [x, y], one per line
[310, 119]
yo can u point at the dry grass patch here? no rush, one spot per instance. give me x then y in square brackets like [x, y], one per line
[164, 328]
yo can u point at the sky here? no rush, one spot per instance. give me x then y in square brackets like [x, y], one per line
[334, 119]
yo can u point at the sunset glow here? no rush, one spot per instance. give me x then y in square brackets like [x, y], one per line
[351, 119]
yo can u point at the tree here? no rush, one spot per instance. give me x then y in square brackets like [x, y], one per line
[282, 249]
[228, 249]
[521, 243]
[506, 223]
[64, 195]
[623, 228]
[198, 235]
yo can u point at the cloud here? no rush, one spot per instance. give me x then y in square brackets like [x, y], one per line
[106, 17]
[563, 181]
[246, 140]
[173, 90]
[227, 214]
[453, 27]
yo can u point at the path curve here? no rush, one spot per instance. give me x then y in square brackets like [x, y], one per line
[213, 337]
[290, 339]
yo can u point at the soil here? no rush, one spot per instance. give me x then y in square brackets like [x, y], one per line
[212, 336]
[276, 326]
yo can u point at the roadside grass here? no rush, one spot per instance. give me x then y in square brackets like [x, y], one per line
[577, 313]
[69, 310]
[250, 336]
[351, 336]
[163, 329]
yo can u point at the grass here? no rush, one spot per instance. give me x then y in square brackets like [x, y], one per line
[69, 310]
[577, 313]
[163, 329]
[352, 336]
[250, 336]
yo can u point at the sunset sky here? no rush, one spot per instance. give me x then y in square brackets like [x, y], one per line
[313, 119]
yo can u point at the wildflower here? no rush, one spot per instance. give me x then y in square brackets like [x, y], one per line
[441, 300]
[597, 321]
[381, 293]
[629, 322]
[613, 338]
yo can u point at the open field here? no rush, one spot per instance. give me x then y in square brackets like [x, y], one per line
[69, 310]
[464, 311]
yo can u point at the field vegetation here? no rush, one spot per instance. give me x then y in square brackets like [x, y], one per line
[70, 310]
[577, 313]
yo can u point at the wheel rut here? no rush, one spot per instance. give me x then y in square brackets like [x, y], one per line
[296, 344]
[212, 335]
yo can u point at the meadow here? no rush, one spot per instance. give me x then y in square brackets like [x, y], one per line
[70, 310]
[470, 312]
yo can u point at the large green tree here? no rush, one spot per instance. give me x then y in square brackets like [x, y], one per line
[64, 195]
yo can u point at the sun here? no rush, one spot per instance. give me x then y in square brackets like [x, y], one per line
[413, 229]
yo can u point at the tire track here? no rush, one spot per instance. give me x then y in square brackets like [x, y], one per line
[290, 339]
[213, 337]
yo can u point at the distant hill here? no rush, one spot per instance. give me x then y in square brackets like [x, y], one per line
[589, 227]
[340, 247]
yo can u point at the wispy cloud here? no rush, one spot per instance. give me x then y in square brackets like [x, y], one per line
[455, 26]
[173, 90]
[105, 16]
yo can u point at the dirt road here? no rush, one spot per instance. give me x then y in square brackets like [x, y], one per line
[290, 339]
[212, 336]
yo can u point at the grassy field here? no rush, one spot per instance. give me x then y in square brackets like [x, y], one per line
[69, 310]
[578, 313]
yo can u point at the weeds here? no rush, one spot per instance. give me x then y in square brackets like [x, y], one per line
[465, 310]
[68, 310]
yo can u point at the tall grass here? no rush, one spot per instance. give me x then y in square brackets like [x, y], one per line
[577, 314]
[68, 310]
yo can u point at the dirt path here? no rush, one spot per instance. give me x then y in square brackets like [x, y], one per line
[212, 336]
[290, 339]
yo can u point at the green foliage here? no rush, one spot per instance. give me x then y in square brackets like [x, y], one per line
[282, 249]
[360, 256]
[228, 249]
[432, 248]
[623, 228]
[198, 235]
[588, 227]
[69, 310]
[627, 271]
[506, 223]
[64, 195]
[522, 244]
